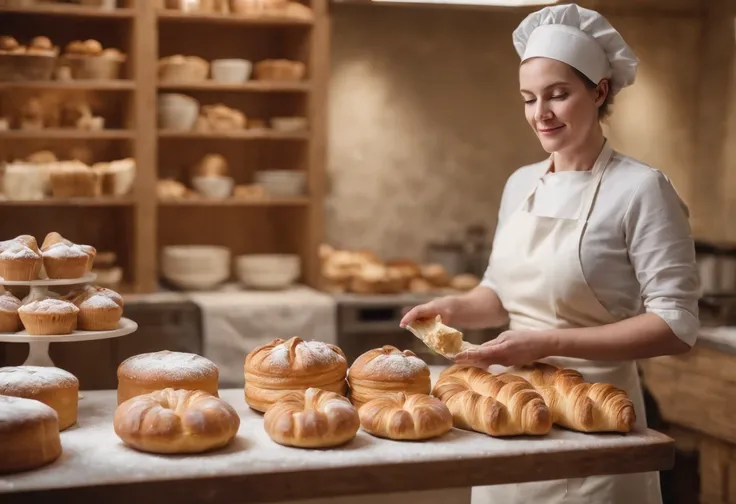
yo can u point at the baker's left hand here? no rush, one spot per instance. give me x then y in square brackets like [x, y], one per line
[510, 348]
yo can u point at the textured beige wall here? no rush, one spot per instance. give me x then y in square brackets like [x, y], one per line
[426, 123]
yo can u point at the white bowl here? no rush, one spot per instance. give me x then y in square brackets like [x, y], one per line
[268, 271]
[214, 187]
[194, 281]
[178, 260]
[282, 182]
[231, 71]
[289, 124]
[177, 112]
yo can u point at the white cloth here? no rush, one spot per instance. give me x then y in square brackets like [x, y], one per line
[637, 251]
[580, 37]
[539, 276]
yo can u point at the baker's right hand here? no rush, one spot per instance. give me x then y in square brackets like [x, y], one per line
[444, 307]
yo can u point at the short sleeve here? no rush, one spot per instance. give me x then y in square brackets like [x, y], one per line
[662, 253]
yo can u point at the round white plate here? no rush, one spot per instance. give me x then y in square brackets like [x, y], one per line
[127, 326]
[88, 278]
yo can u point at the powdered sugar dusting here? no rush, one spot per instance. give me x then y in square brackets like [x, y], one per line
[396, 364]
[18, 409]
[9, 303]
[280, 356]
[16, 250]
[310, 353]
[97, 301]
[175, 365]
[49, 306]
[61, 250]
[35, 378]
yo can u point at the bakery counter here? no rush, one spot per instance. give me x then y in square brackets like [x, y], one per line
[96, 467]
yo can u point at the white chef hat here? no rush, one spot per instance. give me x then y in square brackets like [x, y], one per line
[580, 37]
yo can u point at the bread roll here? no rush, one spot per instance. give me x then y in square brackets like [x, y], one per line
[311, 419]
[441, 339]
[9, 319]
[149, 372]
[577, 404]
[406, 417]
[436, 274]
[29, 434]
[387, 370]
[46, 317]
[280, 367]
[52, 386]
[464, 282]
[176, 421]
[497, 405]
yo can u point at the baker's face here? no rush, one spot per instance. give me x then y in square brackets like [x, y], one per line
[558, 105]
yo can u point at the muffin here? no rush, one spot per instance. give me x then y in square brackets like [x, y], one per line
[48, 317]
[9, 319]
[65, 261]
[91, 253]
[18, 262]
[94, 290]
[97, 312]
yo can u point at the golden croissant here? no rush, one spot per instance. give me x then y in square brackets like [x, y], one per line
[498, 405]
[406, 417]
[577, 404]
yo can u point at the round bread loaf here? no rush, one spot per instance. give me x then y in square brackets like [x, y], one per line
[280, 367]
[406, 417]
[312, 418]
[387, 370]
[50, 385]
[176, 421]
[29, 434]
[149, 372]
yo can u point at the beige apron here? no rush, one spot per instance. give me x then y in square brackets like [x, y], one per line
[537, 270]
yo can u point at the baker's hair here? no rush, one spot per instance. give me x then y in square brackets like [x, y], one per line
[604, 111]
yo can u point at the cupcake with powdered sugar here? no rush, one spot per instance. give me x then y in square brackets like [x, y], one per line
[18, 261]
[48, 317]
[64, 259]
[9, 319]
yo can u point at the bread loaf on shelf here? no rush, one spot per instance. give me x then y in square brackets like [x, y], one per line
[577, 404]
[498, 405]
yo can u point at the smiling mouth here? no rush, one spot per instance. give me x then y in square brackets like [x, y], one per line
[550, 130]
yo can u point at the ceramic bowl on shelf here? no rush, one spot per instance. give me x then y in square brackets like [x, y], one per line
[231, 71]
[195, 266]
[268, 271]
[214, 187]
[177, 111]
[289, 124]
[282, 182]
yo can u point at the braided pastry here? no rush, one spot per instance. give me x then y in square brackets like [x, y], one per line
[498, 405]
[311, 419]
[402, 417]
[577, 404]
[176, 421]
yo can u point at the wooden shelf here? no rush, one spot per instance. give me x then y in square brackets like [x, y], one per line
[237, 202]
[77, 85]
[66, 134]
[64, 10]
[176, 16]
[248, 87]
[72, 202]
[234, 135]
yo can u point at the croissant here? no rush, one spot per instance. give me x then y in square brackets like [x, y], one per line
[406, 417]
[577, 404]
[313, 418]
[498, 405]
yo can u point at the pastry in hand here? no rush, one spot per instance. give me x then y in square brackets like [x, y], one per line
[385, 371]
[18, 261]
[48, 317]
[311, 418]
[277, 368]
[403, 417]
[29, 434]
[149, 372]
[176, 421]
[497, 405]
[9, 319]
[52, 386]
[441, 339]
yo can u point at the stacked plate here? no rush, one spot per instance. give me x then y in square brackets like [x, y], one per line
[195, 267]
[282, 182]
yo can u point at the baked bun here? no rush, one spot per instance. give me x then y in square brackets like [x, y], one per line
[440, 338]
[9, 318]
[18, 262]
[387, 370]
[62, 260]
[149, 372]
[176, 421]
[406, 417]
[577, 404]
[312, 418]
[436, 274]
[48, 317]
[497, 405]
[279, 367]
[52, 386]
[464, 282]
[29, 434]
[97, 312]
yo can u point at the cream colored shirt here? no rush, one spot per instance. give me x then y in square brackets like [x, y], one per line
[637, 252]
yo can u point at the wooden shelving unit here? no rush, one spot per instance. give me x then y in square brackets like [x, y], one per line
[139, 226]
